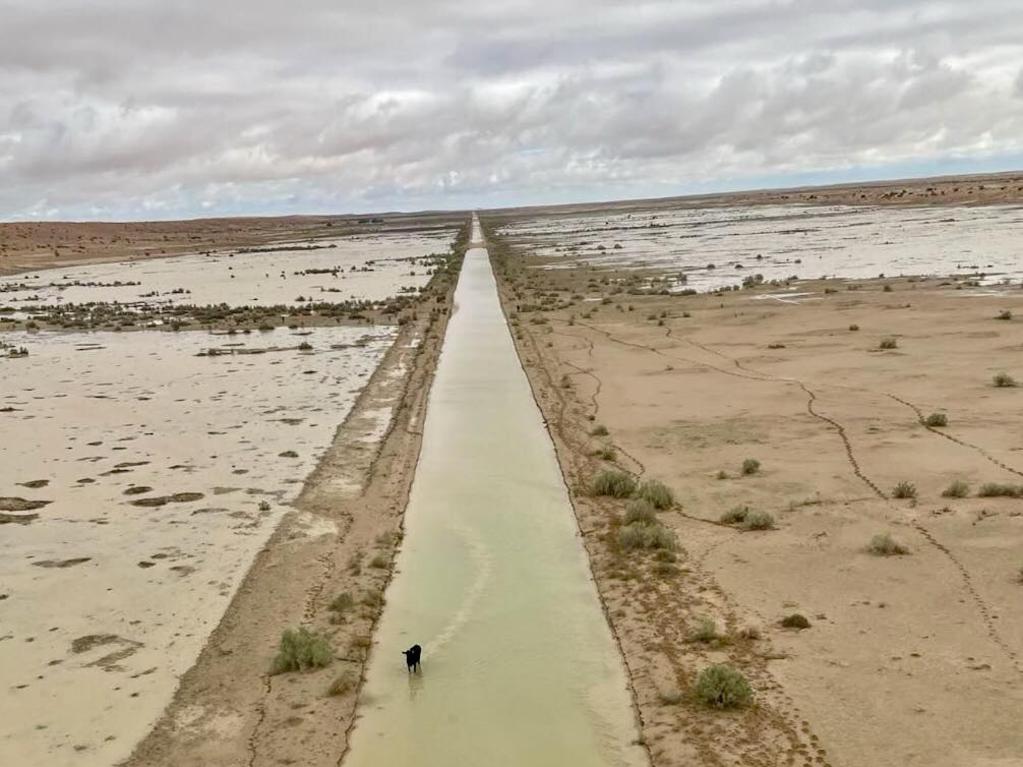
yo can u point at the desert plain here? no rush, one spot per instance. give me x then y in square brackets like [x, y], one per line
[824, 378]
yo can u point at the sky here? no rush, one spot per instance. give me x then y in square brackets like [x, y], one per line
[157, 109]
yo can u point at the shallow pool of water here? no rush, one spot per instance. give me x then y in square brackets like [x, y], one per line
[519, 666]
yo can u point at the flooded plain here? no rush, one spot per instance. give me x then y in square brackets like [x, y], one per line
[139, 481]
[368, 268]
[519, 666]
[716, 248]
[140, 473]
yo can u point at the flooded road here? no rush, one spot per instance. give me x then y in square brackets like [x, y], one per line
[519, 666]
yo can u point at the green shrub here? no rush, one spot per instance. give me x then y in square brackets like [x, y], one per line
[884, 545]
[997, 490]
[750, 466]
[723, 686]
[936, 419]
[301, 649]
[1004, 381]
[757, 520]
[888, 343]
[656, 493]
[639, 535]
[795, 621]
[616, 484]
[735, 515]
[958, 489]
[904, 490]
[640, 510]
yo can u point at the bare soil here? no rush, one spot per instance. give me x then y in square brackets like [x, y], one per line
[911, 659]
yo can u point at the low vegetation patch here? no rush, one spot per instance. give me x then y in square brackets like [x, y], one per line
[936, 419]
[640, 510]
[735, 516]
[705, 631]
[795, 621]
[599, 431]
[998, 490]
[883, 545]
[642, 535]
[1003, 381]
[616, 484]
[656, 493]
[605, 453]
[958, 489]
[723, 686]
[1005, 314]
[750, 466]
[757, 520]
[342, 685]
[301, 649]
[888, 343]
[904, 490]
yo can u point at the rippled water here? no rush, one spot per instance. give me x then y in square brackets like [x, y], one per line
[783, 241]
[519, 666]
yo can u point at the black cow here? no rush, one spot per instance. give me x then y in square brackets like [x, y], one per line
[412, 657]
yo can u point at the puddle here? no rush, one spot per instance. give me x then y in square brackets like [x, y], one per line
[519, 666]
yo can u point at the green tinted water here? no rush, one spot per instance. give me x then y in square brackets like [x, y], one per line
[519, 666]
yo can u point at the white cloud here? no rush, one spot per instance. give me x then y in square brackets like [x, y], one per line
[136, 107]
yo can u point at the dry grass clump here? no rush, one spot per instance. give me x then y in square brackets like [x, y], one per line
[750, 466]
[705, 631]
[883, 545]
[854, 327]
[723, 686]
[605, 453]
[958, 489]
[1003, 381]
[640, 510]
[342, 685]
[656, 493]
[757, 520]
[936, 419]
[795, 621]
[1005, 314]
[599, 431]
[888, 343]
[670, 697]
[904, 490]
[301, 649]
[642, 535]
[998, 490]
[734, 516]
[616, 484]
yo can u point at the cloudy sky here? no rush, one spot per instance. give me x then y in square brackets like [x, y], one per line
[171, 108]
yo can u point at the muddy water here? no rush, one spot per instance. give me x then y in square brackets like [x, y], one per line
[519, 667]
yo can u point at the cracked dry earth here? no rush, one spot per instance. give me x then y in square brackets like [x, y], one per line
[909, 659]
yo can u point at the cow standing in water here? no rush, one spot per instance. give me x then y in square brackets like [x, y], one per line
[412, 657]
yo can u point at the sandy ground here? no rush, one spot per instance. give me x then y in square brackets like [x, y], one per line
[914, 659]
[228, 709]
